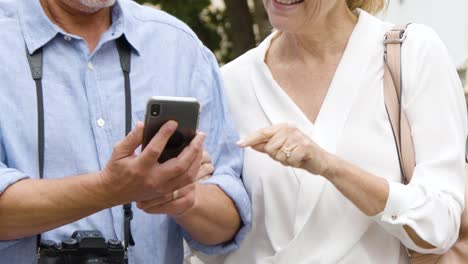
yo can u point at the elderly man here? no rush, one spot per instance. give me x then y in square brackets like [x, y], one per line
[76, 76]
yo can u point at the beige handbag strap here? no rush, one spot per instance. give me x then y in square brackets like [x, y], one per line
[392, 94]
[404, 143]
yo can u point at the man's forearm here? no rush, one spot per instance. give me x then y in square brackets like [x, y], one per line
[29, 207]
[214, 218]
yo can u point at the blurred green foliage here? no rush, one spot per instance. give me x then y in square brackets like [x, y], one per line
[208, 23]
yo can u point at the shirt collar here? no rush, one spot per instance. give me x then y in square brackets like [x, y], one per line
[123, 23]
[38, 30]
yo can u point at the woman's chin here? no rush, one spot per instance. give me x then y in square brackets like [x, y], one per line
[284, 25]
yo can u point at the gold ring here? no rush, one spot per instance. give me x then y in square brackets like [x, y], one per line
[287, 151]
[175, 195]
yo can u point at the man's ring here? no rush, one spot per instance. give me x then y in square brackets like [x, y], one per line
[175, 195]
[287, 151]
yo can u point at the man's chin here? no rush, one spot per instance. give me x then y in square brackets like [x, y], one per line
[90, 6]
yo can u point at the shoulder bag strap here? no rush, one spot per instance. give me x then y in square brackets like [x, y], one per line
[392, 94]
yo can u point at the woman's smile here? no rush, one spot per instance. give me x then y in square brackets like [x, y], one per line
[283, 5]
[289, 2]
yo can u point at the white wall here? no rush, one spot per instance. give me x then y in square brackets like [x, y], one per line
[449, 18]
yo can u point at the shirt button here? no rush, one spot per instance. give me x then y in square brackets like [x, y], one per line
[100, 122]
[394, 217]
[67, 38]
[90, 66]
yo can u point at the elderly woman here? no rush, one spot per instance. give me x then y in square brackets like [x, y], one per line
[329, 189]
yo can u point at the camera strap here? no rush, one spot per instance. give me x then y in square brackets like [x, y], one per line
[125, 54]
[35, 61]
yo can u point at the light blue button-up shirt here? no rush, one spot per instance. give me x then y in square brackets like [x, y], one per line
[85, 115]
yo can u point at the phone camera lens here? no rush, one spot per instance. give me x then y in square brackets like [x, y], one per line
[155, 110]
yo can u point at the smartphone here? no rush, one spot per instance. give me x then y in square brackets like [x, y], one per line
[161, 109]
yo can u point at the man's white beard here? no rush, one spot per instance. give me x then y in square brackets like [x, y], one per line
[90, 6]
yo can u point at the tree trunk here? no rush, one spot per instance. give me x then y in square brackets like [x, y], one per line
[241, 26]
[261, 18]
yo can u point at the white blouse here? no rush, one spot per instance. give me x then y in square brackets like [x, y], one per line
[301, 218]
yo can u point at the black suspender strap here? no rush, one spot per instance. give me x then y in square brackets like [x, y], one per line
[35, 61]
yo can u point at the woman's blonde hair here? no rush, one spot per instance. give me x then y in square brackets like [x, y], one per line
[371, 6]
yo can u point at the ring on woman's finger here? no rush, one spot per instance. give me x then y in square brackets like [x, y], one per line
[175, 195]
[287, 150]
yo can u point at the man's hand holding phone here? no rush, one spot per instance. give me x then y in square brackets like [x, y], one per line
[155, 206]
[144, 180]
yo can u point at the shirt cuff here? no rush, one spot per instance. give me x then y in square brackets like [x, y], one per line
[9, 177]
[414, 206]
[234, 188]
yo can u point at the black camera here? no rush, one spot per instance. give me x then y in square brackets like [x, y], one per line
[83, 247]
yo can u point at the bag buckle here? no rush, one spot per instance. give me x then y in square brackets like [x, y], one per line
[396, 41]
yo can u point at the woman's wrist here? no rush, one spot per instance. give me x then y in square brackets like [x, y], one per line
[330, 167]
[321, 163]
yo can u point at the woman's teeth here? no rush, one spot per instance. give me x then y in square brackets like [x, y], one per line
[289, 2]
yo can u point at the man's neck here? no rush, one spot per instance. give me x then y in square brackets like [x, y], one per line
[89, 26]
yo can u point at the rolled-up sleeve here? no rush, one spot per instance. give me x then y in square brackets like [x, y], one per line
[8, 176]
[221, 144]
[434, 103]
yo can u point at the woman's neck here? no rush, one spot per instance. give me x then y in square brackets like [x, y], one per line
[89, 26]
[326, 38]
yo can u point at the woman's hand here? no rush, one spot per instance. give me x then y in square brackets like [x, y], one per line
[290, 146]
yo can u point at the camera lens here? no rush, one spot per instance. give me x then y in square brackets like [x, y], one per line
[155, 110]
